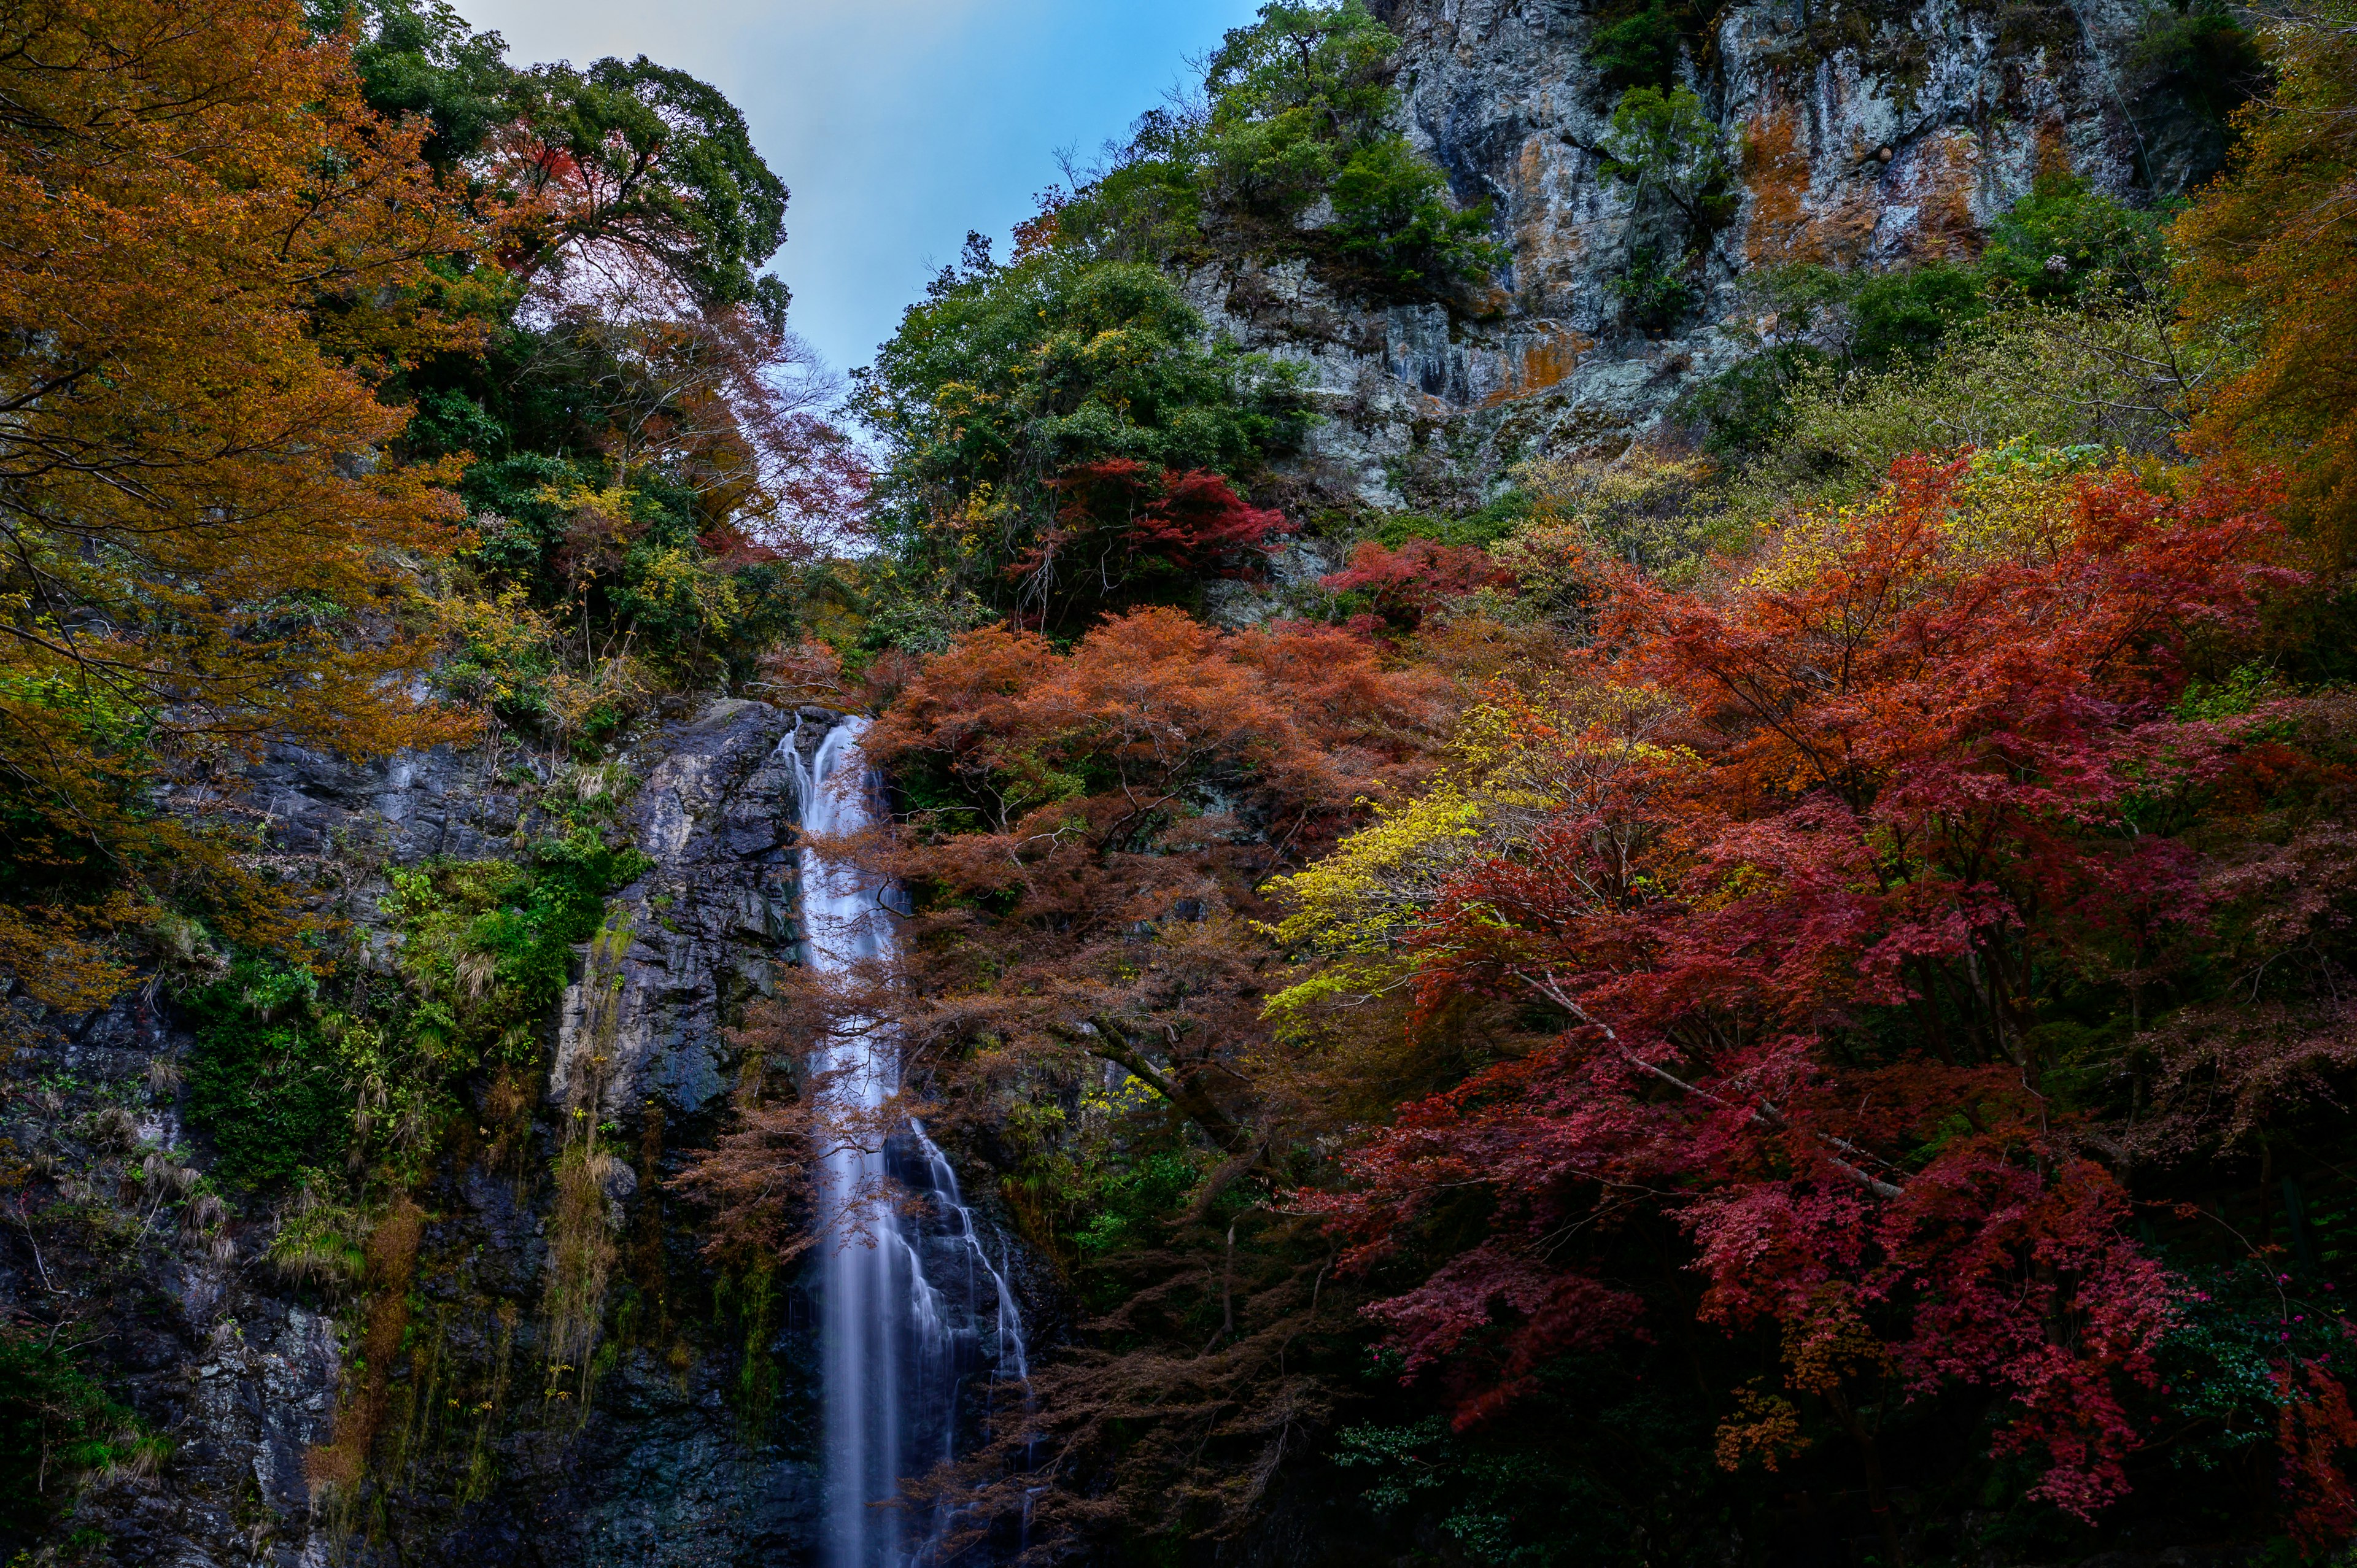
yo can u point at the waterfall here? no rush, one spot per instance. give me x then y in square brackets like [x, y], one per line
[899, 1341]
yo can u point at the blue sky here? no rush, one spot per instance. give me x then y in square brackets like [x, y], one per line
[900, 124]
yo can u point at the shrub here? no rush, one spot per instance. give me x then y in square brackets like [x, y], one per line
[2201, 51]
[1391, 212]
[264, 1082]
[281, 1082]
[1638, 49]
[57, 1426]
[1655, 296]
[2067, 243]
[1747, 407]
[1907, 315]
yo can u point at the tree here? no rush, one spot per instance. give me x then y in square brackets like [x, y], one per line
[1297, 106]
[636, 165]
[212, 248]
[1009, 386]
[1120, 527]
[1389, 211]
[1799, 878]
[2272, 258]
[1665, 145]
[414, 59]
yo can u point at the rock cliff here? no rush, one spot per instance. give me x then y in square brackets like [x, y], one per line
[244, 1369]
[1862, 133]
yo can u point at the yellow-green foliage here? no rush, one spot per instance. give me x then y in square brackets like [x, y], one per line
[319, 1240]
[581, 1245]
[1519, 760]
[2051, 379]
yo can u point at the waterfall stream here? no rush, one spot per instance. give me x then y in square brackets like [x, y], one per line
[899, 1341]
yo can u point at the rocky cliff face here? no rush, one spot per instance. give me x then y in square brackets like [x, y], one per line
[1865, 132]
[246, 1370]
[696, 1449]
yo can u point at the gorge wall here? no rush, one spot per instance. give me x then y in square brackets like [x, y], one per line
[1868, 134]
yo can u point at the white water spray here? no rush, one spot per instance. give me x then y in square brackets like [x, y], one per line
[895, 1345]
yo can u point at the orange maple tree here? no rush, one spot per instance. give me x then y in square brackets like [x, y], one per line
[2271, 253]
[208, 249]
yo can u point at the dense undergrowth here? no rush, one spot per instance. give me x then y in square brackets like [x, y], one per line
[1778, 992]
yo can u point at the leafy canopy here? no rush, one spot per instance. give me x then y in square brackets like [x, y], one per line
[1008, 382]
[219, 251]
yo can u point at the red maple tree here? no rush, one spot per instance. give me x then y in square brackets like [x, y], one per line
[1798, 924]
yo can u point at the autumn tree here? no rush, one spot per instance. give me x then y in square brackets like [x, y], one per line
[213, 249]
[1800, 865]
[2272, 259]
[1076, 995]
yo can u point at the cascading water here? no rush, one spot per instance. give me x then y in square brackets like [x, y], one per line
[898, 1342]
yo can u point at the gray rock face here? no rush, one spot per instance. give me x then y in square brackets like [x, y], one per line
[690, 940]
[246, 1371]
[1865, 134]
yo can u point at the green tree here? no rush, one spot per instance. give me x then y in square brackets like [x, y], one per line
[1907, 315]
[1296, 107]
[1006, 379]
[643, 156]
[1638, 48]
[1390, 210]
[2067, 244]
[419, 56]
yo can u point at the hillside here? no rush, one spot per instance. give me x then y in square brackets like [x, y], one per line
[1572, 786]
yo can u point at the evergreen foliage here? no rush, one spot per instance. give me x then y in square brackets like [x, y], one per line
[1296, 107]
[1008, 380]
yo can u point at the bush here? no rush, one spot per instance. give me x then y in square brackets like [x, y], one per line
[1746, 408]
[2203, 52]
[2065, 243]
[1656, 297]
[282, 1083]
[57, 1425]
[1391, 212]
[1902, 315]
[264, 1082]
[1638, 49]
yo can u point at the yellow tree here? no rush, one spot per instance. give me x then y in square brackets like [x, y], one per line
[207, 249]
[2272, 254]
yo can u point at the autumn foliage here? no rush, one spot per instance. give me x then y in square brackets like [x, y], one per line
[1853, 819]
[2272, 257]
[212, 248]
[1057, 813]
[1118, 523]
